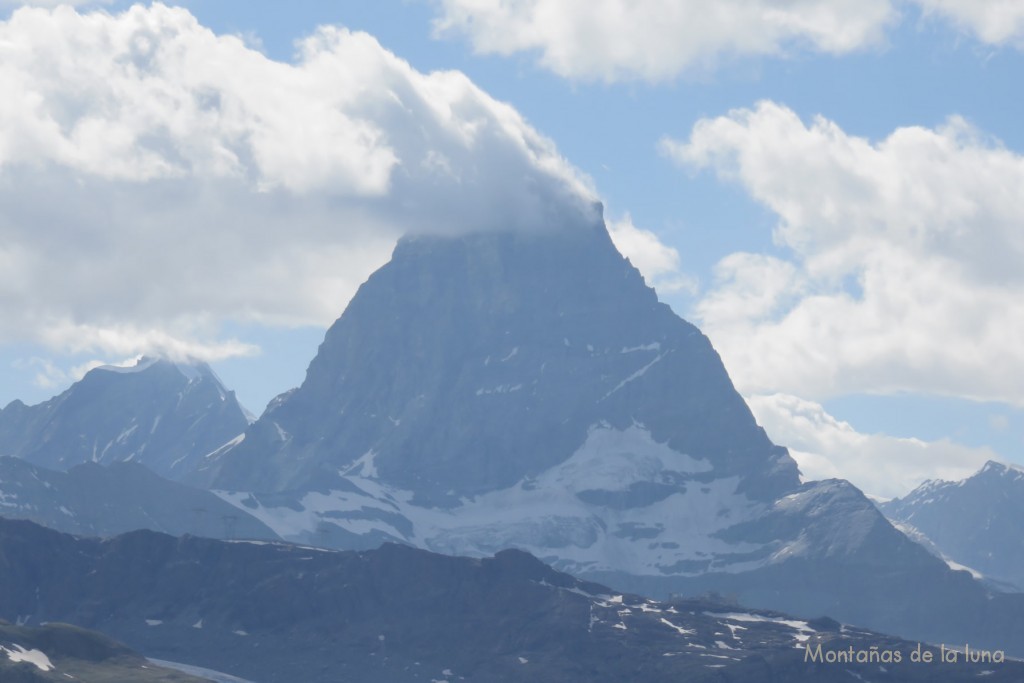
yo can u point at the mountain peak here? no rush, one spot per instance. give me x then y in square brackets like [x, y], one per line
[974, 522]
[468, 363]
[165, 414]
[142, 363]
[993, 468]
[190, 368]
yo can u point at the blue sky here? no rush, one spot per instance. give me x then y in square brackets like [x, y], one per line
[832, 196]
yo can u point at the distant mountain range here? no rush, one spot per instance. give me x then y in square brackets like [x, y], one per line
[977, 523]
[280, 613]
[162, 414]
[106, 500]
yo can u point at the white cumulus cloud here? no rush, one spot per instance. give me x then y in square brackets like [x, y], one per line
[900, 260]
[880, 465]
[655, 40]
[52, 3]
[996, 22]
[157, 179]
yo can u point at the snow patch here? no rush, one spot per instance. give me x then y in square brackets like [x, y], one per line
[300, 522]
[636, 375]
[364, 466]
[653, 346]
[141, 363]
[612, 460]
[123, 436]
[500, 389]
[35, 657]
[200, 672]
[281, 434]
[956, 566]
[222, 449]
[804, 630]
[678, 629]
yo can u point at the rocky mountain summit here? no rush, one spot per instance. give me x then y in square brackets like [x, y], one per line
[163, 414]
[977, 522]
[468, 365]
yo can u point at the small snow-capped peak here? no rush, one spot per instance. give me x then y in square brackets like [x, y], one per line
[993, 469]
[140, 363]
[993, 466]
[192, 369]
[165, 413]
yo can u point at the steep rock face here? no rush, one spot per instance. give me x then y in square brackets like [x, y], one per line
[977, 522]
[274, 612]
[466, 365]
[165, 415]
[106, 500]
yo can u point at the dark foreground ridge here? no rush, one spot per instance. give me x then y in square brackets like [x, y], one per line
[274, 612]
